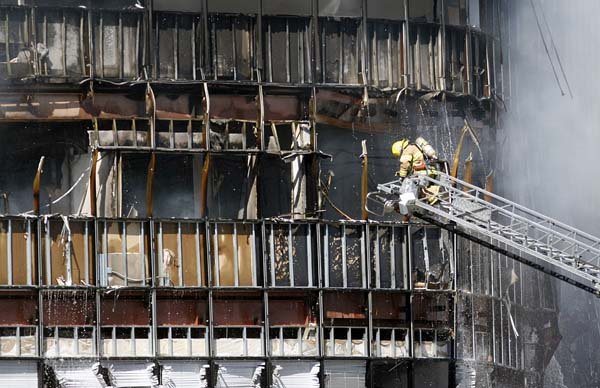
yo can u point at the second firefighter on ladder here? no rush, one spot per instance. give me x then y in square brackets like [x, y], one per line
[413, 160]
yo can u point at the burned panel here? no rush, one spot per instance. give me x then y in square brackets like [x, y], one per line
[425, 56]
[340, 46]
[179, 45]
[292, 254]
[287, 45]
[118, 42]
[387, 54]
[388, 256]
[63, 42]
[432, 258]
[16, 55]
[233, 46]
[456, 60]
[344, 256]
[432, 316]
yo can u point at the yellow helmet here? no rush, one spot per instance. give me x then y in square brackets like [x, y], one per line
[399, 146]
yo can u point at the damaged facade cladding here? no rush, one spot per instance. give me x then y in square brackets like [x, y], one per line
[195, 217]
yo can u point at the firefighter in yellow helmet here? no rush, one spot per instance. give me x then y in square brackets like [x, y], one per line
[413, 160]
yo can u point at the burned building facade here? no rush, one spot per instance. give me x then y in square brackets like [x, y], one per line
[183, 187]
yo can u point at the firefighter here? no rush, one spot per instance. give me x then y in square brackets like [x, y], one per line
[413, 160]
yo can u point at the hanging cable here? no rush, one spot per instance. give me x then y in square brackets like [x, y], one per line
[537, 20]
[560, 65]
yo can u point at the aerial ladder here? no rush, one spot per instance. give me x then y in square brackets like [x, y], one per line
[506, 227]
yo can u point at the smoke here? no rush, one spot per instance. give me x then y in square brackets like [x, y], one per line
[548, 146]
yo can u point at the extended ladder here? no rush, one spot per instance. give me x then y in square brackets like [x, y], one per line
[499, 224]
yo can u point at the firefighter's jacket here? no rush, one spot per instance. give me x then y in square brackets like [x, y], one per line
[412, 161]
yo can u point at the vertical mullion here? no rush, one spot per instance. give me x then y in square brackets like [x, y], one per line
[253, 264]
[180, 253]
[234, 49]
[309, 246]
[120, 53]
[9, 252]
[272, 255]
[143, 252]
[326, 254]
[290, 255]
[86, 253]
[392, 256]
[377, 259]
[344, 258]
[176, 47]
[236, 264]
[198, 261]
[363, 255]
[29, 255]
[216, 253]
[63, 35]
[162, 272]
[124, 252]
[287, 51]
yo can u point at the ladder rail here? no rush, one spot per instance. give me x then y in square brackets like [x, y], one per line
[516, 206]
[558, 233]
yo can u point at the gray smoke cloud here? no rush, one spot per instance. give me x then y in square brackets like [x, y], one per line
[548, 149]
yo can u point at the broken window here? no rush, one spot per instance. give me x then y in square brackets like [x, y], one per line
[432, 322]
[479, 65]
[344, 251]
[339, 51]
[179, 45]
[291, 251]
[345, 325]
[293, 325]
[181, 254]
[390, 337]
[123, 253]
[63, 32]
[287, 45]
[16, 54]
[112, 133]
[125, 325]
[238, 325]
[456, 60]
[432, 258]
[74, 373]
[69, 324]
[17, 251]
[347, 374]
[389, 257]
[234, 135]
[286, 136]
[180, 134]
[18, 326]
[182, 325]
[68, 252]
[234, 254]
[387, 54]
[232, 191]
[118, 44]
